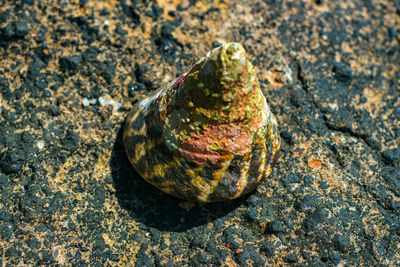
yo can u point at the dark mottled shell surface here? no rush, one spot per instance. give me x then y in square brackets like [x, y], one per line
[207, 136]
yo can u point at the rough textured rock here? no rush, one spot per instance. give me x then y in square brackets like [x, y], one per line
[329, 69]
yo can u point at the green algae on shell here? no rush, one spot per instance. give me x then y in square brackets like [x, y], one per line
[207, 136]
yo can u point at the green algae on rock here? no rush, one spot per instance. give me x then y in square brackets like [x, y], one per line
[207, 136]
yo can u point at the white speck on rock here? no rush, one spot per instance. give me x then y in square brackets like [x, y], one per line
[333, 106]
[117, 106]
[40, 144]
[288, 74]
[106, 100]
[86, 102]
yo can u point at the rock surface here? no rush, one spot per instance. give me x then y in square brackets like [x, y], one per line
[330, 72]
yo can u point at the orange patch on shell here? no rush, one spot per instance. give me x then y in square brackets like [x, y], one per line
[226, 137]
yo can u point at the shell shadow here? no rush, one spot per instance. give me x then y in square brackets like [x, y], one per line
[153, 208]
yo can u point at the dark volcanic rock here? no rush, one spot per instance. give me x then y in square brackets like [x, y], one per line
[71, 141]
[342, 72]
[316, 219]
[107, 70]
[391, 156]
[275, 227]
[12, 161]
[341, 242]
[71, 64]
[34, 69]
[15, 30]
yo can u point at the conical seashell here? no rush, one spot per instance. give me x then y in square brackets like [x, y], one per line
[209, 135]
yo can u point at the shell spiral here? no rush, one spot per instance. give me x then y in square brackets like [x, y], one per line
[207, 136]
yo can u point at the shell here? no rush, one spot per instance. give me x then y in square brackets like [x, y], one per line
[207, 136]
